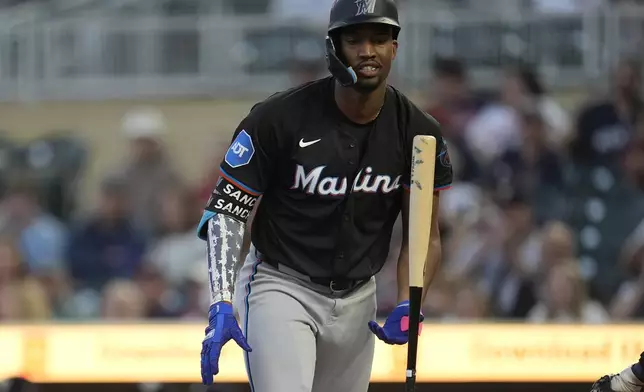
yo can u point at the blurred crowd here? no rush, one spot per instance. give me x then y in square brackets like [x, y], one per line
[544, 223]
[134, 255]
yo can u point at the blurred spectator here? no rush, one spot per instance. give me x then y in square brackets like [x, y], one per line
[532, 166]
[122, 300]
[633, 160]
[213, 162]
[470, 304]
[497, 127]
[451, 101]
[196, 297]
[628, 302]
[564, 299]
[440, 298]
[604, 128]
[56, 162]
[41, 237]
[107, 246]
[558, 245]
[21, 296]
[517, 259]
[177, 250]
[469, 248]
[65, 302]
[557, 123]
[161, 300]
[148, 171]
[453, 105]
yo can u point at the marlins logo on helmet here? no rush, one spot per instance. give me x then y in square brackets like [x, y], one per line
[365, 7]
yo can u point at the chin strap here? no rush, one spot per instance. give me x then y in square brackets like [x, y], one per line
[345, 75]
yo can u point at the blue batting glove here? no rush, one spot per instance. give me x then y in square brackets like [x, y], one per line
[396, 328]
[222, 326]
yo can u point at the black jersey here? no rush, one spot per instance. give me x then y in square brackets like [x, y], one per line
[331, 189]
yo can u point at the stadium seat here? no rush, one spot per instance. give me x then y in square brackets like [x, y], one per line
[7, 151]
[603, 211]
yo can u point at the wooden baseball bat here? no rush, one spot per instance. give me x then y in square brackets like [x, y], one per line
[420, 217]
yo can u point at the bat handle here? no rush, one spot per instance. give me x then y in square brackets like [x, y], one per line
[415, 298]
[410, 382]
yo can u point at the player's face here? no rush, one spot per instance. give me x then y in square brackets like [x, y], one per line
[370, 50]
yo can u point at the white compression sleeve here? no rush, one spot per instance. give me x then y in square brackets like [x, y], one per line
[225, 238]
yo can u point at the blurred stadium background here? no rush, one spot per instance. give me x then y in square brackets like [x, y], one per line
[114, 115]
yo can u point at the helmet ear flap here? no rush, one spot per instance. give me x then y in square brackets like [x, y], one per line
[395, 33]
[337, 64]
[337, 46]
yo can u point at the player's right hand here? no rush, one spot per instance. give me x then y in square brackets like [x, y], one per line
[222, 326]
[396, 328]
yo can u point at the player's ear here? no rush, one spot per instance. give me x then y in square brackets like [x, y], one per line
[394, 49]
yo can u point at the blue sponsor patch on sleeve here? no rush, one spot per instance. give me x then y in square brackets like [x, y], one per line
[241, 150]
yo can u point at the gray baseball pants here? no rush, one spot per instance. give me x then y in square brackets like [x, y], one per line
[305, 337]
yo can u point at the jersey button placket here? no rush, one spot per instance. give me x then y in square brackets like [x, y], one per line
[351, 147]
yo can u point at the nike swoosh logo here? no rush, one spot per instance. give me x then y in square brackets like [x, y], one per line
[306, 144]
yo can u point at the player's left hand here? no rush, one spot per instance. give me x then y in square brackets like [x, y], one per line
[396, 328]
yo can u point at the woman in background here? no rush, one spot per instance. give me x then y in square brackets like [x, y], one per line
[564, 299]
[21, 297]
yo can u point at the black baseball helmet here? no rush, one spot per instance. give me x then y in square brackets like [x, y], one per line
[352, 12]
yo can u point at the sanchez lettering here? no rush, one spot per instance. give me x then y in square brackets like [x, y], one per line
[231, 208]
[230, 200]
[244, 198]
[314, 183]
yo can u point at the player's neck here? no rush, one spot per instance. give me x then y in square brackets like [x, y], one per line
[360, 107]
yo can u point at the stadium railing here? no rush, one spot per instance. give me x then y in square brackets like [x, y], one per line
[105, 57]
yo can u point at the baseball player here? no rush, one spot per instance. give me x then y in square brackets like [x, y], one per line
[331, 160]
[630, 379]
